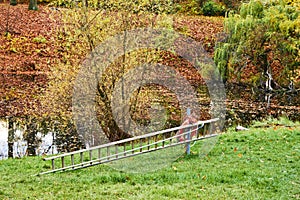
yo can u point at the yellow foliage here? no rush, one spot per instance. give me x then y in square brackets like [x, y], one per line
[294, 3]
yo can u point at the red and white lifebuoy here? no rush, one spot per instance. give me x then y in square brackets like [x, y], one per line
[187, 121]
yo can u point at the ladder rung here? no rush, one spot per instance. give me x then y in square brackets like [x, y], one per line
[53, 164]
[62, 162]
[72, 159]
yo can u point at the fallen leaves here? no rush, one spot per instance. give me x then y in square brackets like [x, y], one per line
[202, 29]
[27, 43]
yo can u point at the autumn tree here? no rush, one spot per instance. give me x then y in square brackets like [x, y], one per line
[84, 29]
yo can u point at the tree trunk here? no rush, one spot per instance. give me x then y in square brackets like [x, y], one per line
[33, 5]
[11, 135]
[30, 137]
[112, 130]
[107, 121]
[110, 127]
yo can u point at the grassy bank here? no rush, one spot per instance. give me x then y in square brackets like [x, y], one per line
[262, 163]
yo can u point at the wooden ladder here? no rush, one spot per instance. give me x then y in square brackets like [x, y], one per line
[131, 147]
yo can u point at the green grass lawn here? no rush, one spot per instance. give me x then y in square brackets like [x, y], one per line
[262, 163]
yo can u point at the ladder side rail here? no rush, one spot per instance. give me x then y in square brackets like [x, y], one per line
[137, 149]
[123, 153]
[110, 157]
[134, 138]
[184, 133]
[97, 161]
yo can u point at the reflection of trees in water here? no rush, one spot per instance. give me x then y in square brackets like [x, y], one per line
[20, 149]
[245, 104]
[19, 145]
[3, 150]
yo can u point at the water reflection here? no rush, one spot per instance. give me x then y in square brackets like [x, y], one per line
[268, 99]
[243, 106]
[20, 145]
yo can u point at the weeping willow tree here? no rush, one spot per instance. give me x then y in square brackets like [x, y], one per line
[263, 35]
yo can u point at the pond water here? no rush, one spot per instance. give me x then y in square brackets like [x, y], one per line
[20, 145]
[242, 108]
